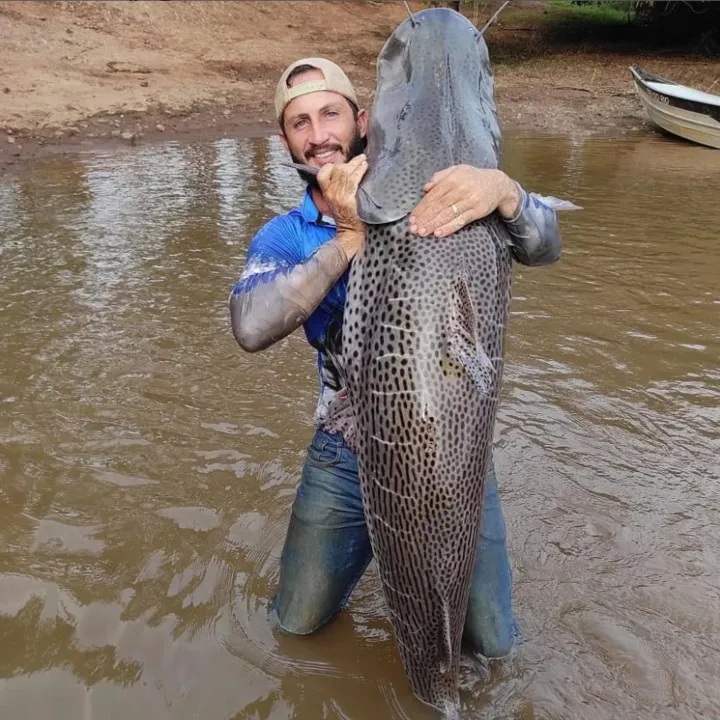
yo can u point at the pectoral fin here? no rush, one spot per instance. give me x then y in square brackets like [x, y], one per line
[464, 352]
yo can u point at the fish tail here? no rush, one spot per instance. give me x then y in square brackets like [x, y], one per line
[450, 712]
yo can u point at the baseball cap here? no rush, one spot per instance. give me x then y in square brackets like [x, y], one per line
[335, 80]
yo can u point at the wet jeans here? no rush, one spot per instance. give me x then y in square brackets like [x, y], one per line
[327, 549]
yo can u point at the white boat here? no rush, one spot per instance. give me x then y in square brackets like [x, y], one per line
[691, 114]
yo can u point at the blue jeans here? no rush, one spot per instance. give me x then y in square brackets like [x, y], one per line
[327, 549]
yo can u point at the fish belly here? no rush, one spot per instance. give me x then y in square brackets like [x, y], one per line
[423, 345]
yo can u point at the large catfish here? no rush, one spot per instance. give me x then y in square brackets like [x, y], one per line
[423, 340]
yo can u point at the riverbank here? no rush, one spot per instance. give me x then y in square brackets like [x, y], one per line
[80, 75]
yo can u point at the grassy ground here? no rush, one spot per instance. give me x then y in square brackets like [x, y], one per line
[608, 13]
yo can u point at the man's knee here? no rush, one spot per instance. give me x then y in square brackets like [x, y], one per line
[300, 618]
[492, 636]
[310, 591]
[319, 567]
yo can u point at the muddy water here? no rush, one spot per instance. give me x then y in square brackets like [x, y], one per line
[148, 465]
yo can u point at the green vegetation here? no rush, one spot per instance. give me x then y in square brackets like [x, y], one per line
[592, 12]
[678, 26]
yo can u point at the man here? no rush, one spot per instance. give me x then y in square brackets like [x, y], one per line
[296, 274]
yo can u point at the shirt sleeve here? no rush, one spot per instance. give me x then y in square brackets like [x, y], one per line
[534, 231]
[278, 289]
[273, 250]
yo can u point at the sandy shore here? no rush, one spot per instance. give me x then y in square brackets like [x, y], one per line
[79, 75]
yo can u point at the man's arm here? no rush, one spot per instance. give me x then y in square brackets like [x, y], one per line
[274, 297]
[461, 194]
[268, 303]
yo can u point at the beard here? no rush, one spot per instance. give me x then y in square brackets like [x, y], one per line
[355, 147]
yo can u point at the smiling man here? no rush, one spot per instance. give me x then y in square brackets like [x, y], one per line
[296, 274]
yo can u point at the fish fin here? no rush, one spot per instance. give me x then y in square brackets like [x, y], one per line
[450, 711]
[557, 203]
[463, 346]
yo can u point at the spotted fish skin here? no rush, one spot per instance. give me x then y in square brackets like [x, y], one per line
[419, 310]
[423, 342]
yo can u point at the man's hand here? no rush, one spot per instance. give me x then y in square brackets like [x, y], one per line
[461, 194]
[339, 184]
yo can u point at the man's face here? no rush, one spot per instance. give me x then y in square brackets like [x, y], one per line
[319, 128]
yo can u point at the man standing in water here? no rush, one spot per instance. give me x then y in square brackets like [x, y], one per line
[296, 274]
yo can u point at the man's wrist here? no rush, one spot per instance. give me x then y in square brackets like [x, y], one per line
[509, 206]
[350, 240]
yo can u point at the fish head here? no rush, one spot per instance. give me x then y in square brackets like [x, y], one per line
[434, 107]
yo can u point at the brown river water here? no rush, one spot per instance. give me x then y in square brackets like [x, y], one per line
[148, 465]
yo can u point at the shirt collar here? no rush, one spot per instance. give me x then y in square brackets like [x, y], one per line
[309, 211]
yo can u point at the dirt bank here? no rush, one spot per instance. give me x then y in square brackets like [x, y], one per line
[84, 74]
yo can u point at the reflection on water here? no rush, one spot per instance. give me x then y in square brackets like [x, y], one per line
[148, 465]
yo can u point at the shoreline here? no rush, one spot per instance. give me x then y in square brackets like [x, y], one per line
[106, 131]
[94, 75]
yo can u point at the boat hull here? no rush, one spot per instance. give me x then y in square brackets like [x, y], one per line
[687, 118]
